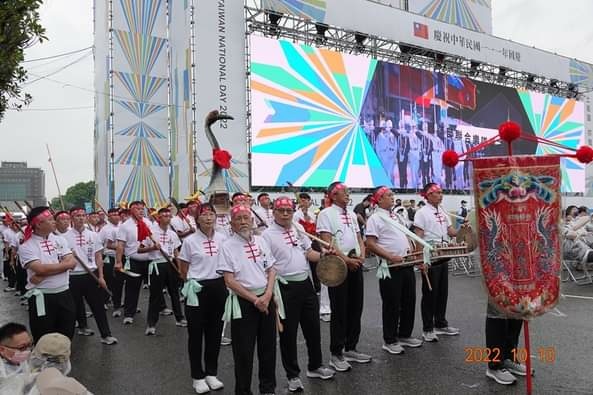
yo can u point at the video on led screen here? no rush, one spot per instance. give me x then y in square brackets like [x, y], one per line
[320, 116]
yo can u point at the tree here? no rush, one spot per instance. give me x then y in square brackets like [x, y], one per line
[76, 196]
[19, 29]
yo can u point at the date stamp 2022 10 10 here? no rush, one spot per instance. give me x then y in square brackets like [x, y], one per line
[518, 355]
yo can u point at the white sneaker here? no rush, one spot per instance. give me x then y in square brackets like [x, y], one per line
[515, 368]
[150, 331]
[295, 385]
[128, 321]
[85, 332]
[225, 341]
[109, 340]
[448, 330]
[214, 383]
[116, 313]
[355, 356]
[322, 373]
[501, 376]
[166, 312]
[393, 348]
[201, 387]
[181, 323]
[325, 317]
[410, 342]
[430, 337]
[339, 363]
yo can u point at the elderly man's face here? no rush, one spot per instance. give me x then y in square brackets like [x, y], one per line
[341, 196]
[241, 223]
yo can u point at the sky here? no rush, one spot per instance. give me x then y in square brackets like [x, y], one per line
[61, 114]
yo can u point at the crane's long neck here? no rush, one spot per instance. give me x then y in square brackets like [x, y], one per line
[211, 137]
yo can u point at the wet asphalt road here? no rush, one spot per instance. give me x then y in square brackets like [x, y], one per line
[159, 365]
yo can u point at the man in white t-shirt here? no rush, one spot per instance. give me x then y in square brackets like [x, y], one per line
[134, 245]
[85, 246]
[397, 286]
[114, 279]
[47, 260]
[248, 268]
[162, 274]
[264, 213]
[433, 224]
[292, 250]
[338, 224]
[181, 223]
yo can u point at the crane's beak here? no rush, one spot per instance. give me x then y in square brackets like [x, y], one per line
[225, 116]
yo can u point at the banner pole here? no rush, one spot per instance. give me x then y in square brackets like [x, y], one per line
[528, 360]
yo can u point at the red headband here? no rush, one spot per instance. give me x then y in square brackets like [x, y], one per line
[283, 202]
[336, 188]
[205, 208]
[34, 221]
[236, 210]
[66, 215]
[379, 194]
[433, 188]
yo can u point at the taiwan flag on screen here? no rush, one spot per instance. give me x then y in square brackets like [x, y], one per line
[461, 91]
[421, 30]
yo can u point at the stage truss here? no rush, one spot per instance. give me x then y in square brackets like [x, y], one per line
[290, 27]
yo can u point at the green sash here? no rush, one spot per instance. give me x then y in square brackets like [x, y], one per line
[190, 290]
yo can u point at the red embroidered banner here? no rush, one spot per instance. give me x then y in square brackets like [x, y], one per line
[518, 203]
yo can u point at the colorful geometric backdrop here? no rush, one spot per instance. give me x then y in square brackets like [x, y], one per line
[555, 119]
[140, 127]
[474, 15]
[306, 107]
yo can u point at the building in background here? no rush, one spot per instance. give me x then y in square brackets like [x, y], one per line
[19, 182]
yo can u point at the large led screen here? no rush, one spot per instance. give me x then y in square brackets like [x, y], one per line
[319, 116]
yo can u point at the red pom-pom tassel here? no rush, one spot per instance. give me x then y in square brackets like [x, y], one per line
[509, 131]
[450, 158]
[585, 154]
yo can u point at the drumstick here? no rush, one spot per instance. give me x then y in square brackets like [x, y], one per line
[425, 272]
[401, 264]
[320, 241]
[278, 322]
